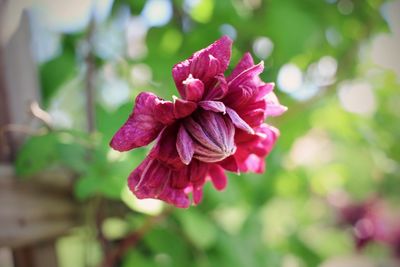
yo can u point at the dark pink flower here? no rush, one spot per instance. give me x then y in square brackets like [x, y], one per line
[217, 125]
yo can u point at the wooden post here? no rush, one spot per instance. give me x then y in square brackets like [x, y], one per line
[33, 213]
[19, 87]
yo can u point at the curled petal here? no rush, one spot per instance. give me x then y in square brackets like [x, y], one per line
[216, 106]
[184, 145]
[143, 125]
[218, 177]
[265, 89]
[193, 89]
[238, 121]
[247, 75]
[245, 63]
[204, 64]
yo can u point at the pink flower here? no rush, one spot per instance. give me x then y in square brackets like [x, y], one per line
[217, 125]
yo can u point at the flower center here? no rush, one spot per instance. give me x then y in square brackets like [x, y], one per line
[213, 135]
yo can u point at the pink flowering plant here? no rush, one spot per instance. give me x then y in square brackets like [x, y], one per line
[217, 125]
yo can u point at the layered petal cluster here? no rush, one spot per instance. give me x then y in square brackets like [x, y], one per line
[216, 125]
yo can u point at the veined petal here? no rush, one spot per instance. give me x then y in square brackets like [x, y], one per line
[218, 176]
[165, 148]
[176, 197]
[204, 64]
[197, 172]
[218, 90]
[238, 121]
[154, 179]
[247, 75]
[149, 179]
[245, 63]
[143, 125]
[216, 106]
[184, 145]
[264, 89]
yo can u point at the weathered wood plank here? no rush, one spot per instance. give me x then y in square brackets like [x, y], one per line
[31, 212]
[41, 255]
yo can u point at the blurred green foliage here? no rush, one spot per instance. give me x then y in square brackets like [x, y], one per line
[280, 218]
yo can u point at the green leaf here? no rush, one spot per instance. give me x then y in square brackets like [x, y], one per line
[160, 240]
[36, 154]
[55, 72]
[135, 258]
[73, 156]
[198, 227]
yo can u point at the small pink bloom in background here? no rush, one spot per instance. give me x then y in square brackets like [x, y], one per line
[217, 125]
[372, 221]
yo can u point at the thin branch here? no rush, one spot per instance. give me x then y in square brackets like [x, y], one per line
[89, 79]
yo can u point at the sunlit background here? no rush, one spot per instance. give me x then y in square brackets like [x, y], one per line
[336, 65]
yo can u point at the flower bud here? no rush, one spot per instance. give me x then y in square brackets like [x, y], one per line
[213, 135]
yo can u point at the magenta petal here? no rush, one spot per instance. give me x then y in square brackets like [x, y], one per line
[179, 179]
[164, 112]
[265, 89]
[184, 145]
[254, 164]
[149, 179]
[183, 108]
[238, 121]
[247, 75]
[230, 164]
[204, 64]
[252, 149]
[197, 172]
[197, 195]
[274, 108]
[165, 148]
[176, 197]
[142, 126]
[245, 62]
[217, 176]
[153, 179]
[193, 89]
[218, 90]
[216, 106]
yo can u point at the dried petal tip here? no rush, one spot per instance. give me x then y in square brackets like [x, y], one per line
[213, 135]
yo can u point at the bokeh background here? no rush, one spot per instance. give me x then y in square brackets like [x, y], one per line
[336, 65]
